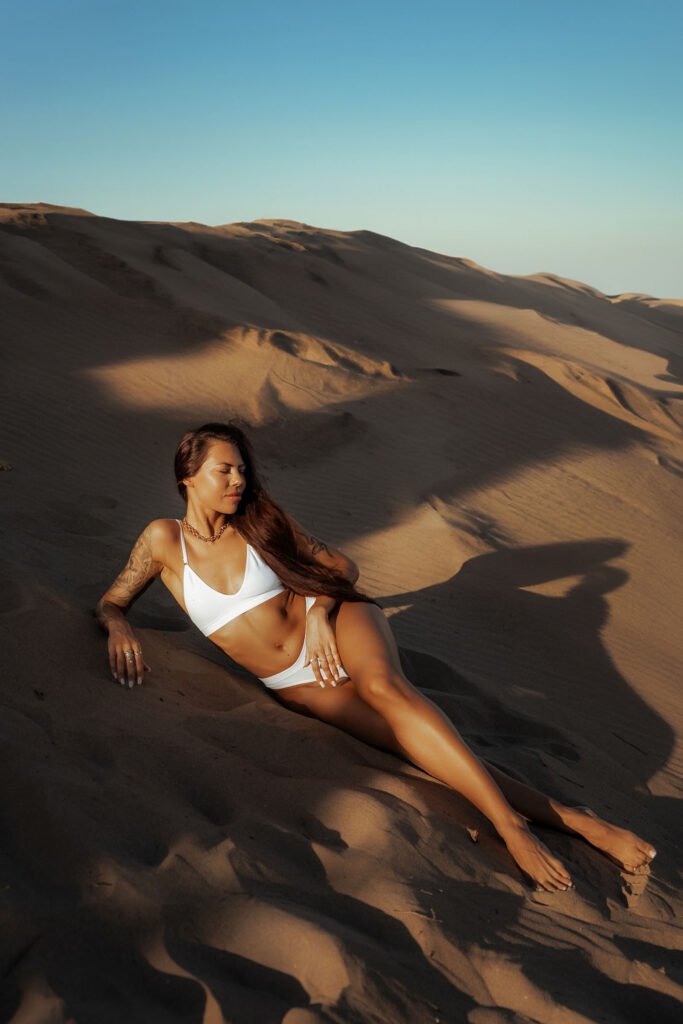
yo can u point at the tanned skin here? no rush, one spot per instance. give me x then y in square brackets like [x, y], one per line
[314, 545]
[138, 573]
[376, 703]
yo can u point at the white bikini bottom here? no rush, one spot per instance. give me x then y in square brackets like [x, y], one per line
[296, 673]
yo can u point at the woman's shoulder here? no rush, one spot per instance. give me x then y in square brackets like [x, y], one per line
[162, 534]
[163, 527]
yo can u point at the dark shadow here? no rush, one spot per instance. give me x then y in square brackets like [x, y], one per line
[134, 291]
[550, 966]
[626, 321]
[545, 657]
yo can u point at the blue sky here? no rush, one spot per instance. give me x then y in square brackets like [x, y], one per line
[524, 134]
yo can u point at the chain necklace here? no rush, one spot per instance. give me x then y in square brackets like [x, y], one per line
[196, 533]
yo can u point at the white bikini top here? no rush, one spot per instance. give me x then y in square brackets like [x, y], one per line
[210, 609]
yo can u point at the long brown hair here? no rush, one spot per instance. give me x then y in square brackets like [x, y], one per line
[260, 520]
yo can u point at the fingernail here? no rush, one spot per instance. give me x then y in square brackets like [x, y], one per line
[130, 683]
[653, 854]
[139, 680]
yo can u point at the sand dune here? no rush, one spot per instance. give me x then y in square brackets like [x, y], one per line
[503, 458]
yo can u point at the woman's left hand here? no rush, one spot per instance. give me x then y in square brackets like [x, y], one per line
[321, 647]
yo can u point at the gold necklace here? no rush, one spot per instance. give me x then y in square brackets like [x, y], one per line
[196, 533]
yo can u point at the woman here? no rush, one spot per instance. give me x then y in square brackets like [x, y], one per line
[285, 606]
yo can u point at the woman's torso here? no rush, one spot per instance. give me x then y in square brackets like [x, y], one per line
[264, 639]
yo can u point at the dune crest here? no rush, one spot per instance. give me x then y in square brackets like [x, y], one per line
[503, 457]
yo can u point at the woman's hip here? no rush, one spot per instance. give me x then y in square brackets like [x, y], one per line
[298, 674]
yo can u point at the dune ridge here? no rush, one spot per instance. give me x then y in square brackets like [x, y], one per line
[503, 457]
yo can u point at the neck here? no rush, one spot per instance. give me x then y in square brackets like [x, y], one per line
[206, 520]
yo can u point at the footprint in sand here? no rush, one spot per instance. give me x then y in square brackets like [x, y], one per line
[633, 886]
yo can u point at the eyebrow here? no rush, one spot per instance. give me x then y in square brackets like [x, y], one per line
[229, 464]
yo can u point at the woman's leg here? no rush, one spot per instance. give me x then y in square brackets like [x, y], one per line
[425, 736]
[627, 849]
[383, 708]
[344, 708]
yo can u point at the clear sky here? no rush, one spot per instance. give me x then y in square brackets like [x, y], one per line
[528, 135]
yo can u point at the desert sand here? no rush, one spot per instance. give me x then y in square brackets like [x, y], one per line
[502, 456]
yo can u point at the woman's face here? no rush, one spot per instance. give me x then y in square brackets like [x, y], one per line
[221, 474]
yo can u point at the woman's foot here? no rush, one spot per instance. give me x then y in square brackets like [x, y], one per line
[625, 848]
[535, 859]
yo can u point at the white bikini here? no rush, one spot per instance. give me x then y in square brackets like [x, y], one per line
[210, 609]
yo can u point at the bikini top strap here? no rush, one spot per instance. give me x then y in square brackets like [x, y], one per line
[182, 541]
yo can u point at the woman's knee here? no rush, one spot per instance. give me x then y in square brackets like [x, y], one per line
[383, 686]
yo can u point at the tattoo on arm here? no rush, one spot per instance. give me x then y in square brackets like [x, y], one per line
[313, 547]
[316, 545]
[108, 614]
[138, 572]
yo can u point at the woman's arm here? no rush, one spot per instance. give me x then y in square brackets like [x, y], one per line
[322, 553]
[142, 567]
[326, 555]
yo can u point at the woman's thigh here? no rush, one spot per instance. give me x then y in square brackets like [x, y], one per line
[343, 707]
[364, 638]
[368, 651]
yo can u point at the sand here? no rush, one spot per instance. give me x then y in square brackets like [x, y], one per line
[502, 456]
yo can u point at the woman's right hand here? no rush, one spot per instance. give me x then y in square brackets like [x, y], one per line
[125, 656]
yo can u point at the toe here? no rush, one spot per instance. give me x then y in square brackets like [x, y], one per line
[560, 885]
[560, 871]
[565, 882]
[645, 849]
[560, 875]
[647, 854]
[555, 868]
[554, 881]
